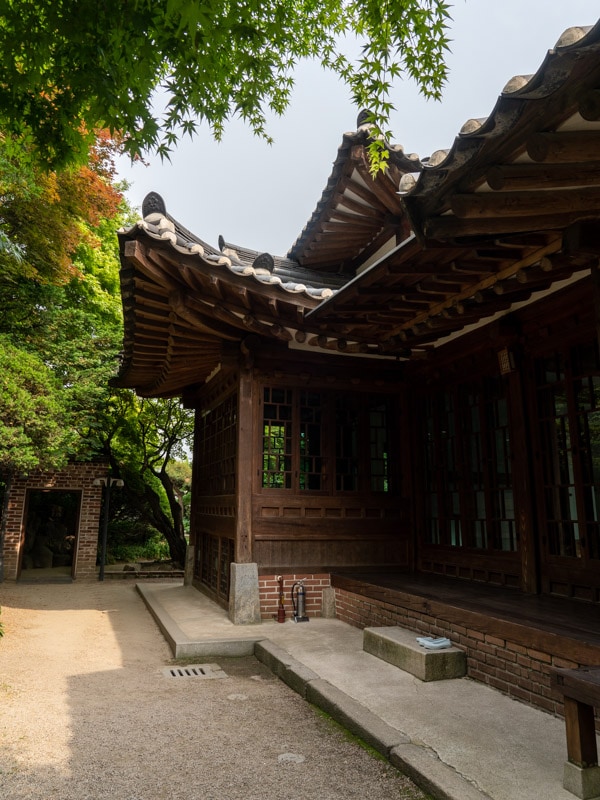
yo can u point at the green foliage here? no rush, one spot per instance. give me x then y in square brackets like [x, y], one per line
[46, 216]
[60, 338]
[148, 437]
[70, 68]
[61, 319]
[125, 545]
[180, 473]
[34, 428]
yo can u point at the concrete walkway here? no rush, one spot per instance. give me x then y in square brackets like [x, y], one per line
[457, 739]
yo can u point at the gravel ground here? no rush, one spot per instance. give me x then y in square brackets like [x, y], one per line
[87, 713]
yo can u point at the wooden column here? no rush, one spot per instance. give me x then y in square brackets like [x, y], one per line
[595, 272]
[244, 467]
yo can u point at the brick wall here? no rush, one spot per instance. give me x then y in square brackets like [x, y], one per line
[518, 671]
[76, 477]
[269, 593]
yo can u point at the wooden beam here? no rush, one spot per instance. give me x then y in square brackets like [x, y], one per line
[134, 252]
[566, 147]
[379, 290]
[409, 303]
[328, 245]
[199, 321]
[454, 227]
[525, 240]
[491, 281]
[382, 188]
[524, 177]
[349, 227]
[362, 210]
[528, 204]
[366, 194]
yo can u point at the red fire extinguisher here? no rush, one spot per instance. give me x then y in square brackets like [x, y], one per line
[280, 606]
[299, 602]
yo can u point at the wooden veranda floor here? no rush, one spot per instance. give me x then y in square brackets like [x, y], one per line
[566, 628]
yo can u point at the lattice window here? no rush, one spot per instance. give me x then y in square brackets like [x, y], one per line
[347, 418]
[298, 443]
[569, 413]
[500, 468]
[216, 449]
[277, 438]
[213, 562]
[467, 468]
[311, 458]
[378, 445]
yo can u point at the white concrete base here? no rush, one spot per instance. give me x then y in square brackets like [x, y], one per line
[399, 647]
[328, 603]
[244, 597]
[583, 782]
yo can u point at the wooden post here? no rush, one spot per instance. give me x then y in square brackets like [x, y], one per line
[244, 468]
[581, 735]
[595, 273]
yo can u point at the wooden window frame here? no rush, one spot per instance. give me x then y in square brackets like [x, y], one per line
[327, 459]
[585, 545]
[451, 433]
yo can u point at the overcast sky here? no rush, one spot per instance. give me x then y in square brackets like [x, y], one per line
[261, 195]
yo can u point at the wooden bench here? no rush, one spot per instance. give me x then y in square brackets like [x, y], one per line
[580, 691]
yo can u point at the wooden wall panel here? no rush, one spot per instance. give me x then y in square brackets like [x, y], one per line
[302, 554]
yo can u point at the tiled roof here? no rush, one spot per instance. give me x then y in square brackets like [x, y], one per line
[358, 280]
[576, 52]
[277, 272]
[355, 210]
[494, 219]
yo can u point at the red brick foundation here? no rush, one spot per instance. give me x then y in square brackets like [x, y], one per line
[74, 477]
[269, 593]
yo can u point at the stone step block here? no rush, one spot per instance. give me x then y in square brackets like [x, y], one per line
[399, 647]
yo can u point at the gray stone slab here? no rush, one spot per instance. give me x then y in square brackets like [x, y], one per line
[328, 603]
[355, 717]
[218, 648]
[288, 669]
[399, 647]
[439, 780]
[244, 597]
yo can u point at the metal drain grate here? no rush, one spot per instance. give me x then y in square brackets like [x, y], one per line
[195, 671]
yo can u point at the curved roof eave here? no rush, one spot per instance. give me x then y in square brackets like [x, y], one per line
[445, 168]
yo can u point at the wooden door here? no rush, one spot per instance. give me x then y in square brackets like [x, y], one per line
[568, 470]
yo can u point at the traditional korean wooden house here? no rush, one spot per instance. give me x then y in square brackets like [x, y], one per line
[405, 410]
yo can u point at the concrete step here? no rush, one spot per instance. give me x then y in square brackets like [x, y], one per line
[399, 647]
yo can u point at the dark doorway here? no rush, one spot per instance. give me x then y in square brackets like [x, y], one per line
[50, 542]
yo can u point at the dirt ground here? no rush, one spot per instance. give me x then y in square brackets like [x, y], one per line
[87, 712]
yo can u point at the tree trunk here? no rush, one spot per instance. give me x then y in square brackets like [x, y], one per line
[172, 531]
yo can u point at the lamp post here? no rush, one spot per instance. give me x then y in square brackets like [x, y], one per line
[107, 483]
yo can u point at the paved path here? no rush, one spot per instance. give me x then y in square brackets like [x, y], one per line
[460, 739]
[87, 713]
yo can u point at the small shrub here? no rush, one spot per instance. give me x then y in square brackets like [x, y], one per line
[155, 548]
